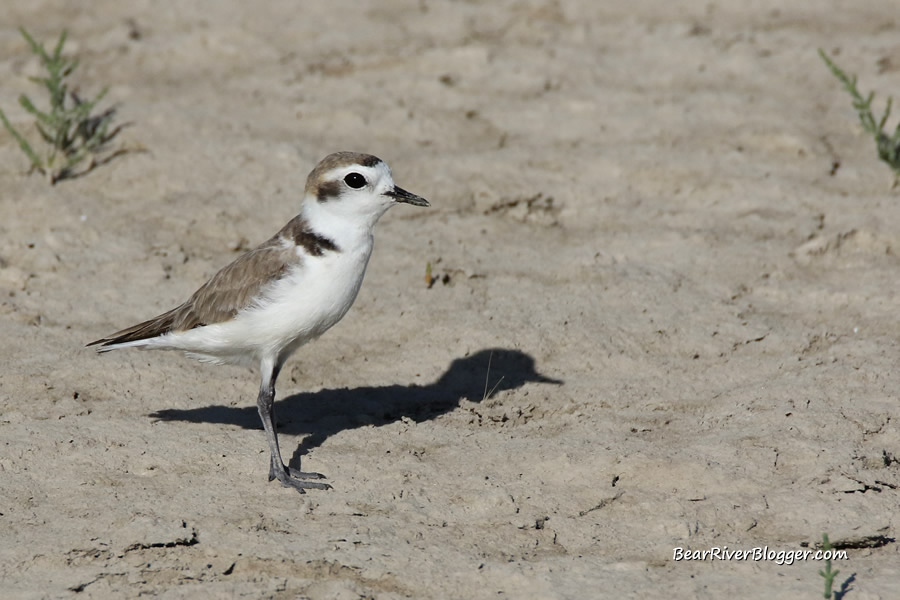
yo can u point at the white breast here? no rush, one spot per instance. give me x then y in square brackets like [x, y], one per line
[302, 305]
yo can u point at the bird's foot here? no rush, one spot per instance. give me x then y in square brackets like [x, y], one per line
[304, 475]
[297, 479]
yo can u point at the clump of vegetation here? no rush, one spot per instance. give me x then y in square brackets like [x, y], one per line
[888, 146]
[70, 132]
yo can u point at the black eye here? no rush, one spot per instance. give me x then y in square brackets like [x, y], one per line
[355, 180]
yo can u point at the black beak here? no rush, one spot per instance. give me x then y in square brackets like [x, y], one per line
[401, 195]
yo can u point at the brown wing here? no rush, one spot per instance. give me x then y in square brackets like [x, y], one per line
[219, 299]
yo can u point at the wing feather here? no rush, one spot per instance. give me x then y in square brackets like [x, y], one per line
[229, 291]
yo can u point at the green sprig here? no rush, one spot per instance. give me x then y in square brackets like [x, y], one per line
[827, 573]
[68, 129]
[888, 146]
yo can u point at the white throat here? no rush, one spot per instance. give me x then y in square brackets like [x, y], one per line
[346, 228]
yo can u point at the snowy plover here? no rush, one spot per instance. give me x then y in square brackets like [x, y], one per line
[287, 291]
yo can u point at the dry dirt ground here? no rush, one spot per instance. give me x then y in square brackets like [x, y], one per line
[658, 222]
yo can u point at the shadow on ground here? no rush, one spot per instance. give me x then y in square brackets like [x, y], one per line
[329, 411]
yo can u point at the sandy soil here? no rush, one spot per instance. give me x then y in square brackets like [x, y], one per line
[659, 222]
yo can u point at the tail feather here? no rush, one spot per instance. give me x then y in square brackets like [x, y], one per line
[152, 328]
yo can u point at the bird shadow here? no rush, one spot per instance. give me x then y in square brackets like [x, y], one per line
[319, 415]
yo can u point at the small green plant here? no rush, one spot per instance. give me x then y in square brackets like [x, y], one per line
[69, 130]
[827, 573]
[888, 145]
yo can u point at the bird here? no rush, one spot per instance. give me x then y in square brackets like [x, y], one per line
[286, 292]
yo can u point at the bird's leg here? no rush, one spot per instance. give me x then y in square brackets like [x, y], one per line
[266, 405]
